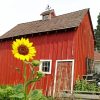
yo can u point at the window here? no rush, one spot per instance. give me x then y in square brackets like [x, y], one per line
[45, 17]
[90, 65]
[45, 66]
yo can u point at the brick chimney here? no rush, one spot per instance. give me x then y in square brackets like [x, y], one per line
[48, 14]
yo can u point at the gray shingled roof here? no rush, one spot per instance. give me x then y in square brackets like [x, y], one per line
[64, 21]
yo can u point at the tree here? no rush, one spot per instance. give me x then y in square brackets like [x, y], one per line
[97, 34]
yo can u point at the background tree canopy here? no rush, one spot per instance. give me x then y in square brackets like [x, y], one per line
[97, 34]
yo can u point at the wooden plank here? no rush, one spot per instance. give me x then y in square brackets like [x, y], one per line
[87, 96]
[79, 96]
[87, 92]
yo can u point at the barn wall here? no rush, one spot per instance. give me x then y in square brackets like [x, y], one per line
[55, 46]
[8, 65]
[83, 46]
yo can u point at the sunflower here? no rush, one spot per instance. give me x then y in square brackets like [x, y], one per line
[23, 49]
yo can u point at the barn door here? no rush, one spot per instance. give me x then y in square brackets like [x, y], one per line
[63, 76]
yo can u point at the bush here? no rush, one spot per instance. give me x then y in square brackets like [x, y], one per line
[16, 93]
[83, 85]
[50, 98]
[5, 92]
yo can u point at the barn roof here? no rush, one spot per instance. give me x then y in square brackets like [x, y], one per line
[65, 21]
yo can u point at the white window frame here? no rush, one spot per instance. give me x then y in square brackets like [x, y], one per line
[72, 79]
[40, 67]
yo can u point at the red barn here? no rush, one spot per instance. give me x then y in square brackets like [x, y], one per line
[63, 44]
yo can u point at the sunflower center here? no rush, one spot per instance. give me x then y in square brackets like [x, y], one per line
[22, 49]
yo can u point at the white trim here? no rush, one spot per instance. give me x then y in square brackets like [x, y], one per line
[40, 67]
[72, 79]
[55, 78]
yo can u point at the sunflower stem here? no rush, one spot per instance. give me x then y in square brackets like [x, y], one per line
[25, 80]
[32, 72]
[32, 86]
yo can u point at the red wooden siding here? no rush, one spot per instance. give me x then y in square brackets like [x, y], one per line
[83, 46]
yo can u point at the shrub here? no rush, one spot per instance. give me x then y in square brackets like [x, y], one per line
[83, 85]
[5, 92]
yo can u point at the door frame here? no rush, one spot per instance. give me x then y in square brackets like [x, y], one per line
[72, 79]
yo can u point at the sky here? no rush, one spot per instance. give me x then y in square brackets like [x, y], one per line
[13, 12]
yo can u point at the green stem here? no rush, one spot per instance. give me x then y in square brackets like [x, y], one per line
[25, 80]
[32, 85]
[31, 88]
[32, 72]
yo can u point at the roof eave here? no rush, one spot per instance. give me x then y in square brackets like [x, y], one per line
[63, 29]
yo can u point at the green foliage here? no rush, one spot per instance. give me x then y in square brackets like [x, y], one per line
[36, 95]
[83, 85]
[40, 74]
[97, 34]
[18, 88]
[50, 98]
[18, 92]
[35, 62]
[5, 92]
[19, 96]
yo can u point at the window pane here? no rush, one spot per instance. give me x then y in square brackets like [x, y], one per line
[48, 69]
[46, 66]
[43, 69]
[43, 66]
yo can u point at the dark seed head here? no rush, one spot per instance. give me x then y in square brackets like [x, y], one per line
[22, 49]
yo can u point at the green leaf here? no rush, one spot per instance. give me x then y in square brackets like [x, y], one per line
[40, 74]
[36, 95]
[19, 96]
[18, 88]
[35, 62]
[18, 92]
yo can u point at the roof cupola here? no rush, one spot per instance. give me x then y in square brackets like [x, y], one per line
[48, 14]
